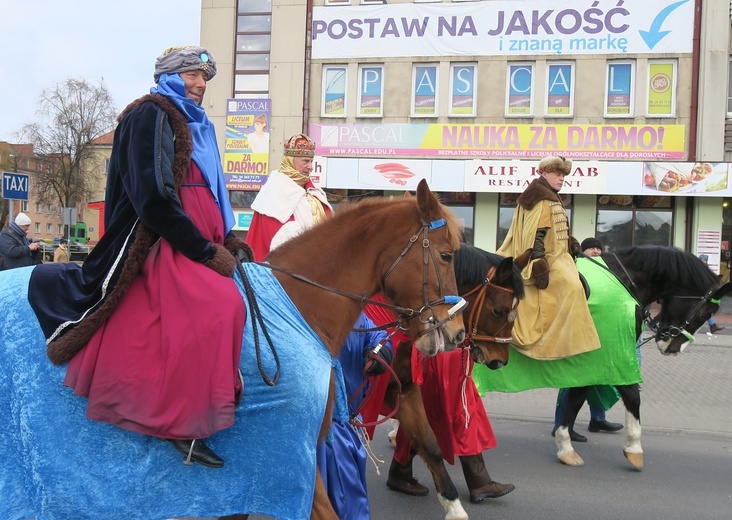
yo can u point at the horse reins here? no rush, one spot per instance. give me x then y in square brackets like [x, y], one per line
[653, 324]
[458, 303]
[472, 325]
[471, 336]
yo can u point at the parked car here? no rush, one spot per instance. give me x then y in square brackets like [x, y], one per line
[48, 248]
[77, 251]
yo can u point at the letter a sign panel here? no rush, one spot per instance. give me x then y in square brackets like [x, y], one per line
[15, 186]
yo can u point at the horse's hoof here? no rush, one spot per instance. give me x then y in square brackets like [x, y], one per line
[453, 509]
[572, 459]
[635, 459]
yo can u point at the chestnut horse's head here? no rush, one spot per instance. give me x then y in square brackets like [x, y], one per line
[492, 285]
[422, 276]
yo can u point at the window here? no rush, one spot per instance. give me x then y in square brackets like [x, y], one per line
[37, 227]
[24, 206]
[619, 91]
[49, 209]
[49, 229]
[560, 89]
[462, 204]
[729, 89]
[424, 90]
[507, 207]
[370, 90]
[333, 100]
[661, 100]
[463, 89]
[39, 207]
[60, 229]
[626, 220]
[255, 6]
[520, 90]
[253, 43]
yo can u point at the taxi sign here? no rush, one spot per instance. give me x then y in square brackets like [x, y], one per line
[15, 186]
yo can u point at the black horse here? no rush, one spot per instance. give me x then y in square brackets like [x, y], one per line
[688, 294]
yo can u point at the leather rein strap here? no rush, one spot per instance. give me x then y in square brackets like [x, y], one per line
[472, 325]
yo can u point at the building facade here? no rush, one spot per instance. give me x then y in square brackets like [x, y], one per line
[47, 222]
[471, 94]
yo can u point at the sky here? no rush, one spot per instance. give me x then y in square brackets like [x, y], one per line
[45, 42]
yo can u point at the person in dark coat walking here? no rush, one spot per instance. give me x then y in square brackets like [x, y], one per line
[15, 248]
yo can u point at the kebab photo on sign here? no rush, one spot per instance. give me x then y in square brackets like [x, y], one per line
[685, 177]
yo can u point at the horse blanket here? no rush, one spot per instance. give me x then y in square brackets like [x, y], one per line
[614, 363]
[59, 465]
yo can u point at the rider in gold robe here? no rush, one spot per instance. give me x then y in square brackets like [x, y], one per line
[553, 319]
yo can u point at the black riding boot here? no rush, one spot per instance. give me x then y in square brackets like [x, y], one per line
[400, 479]
[195, 450]
[479, 482]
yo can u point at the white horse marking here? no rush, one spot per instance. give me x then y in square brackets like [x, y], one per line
[453, 509]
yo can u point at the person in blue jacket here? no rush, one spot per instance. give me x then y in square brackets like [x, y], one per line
[342, 456]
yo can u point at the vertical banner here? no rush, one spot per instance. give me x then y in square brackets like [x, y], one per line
[619, 91]
[560, 89]
[370, 90]
[424, 90]
[520, 91]
[462, 90]
[334, 91]
[709, 242]
[246, 151]
[661, 88]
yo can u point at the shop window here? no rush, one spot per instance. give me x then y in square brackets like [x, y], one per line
[625, 220]
[507, 207]
[462, 204]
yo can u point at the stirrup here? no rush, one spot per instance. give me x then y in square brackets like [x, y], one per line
[187, 461]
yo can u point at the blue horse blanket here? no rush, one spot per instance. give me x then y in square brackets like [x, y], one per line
[59, 465]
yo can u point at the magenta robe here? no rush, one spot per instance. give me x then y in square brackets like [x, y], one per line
[166, 362]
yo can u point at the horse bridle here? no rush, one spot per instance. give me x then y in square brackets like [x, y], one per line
[473, 319]
[654, 324]
[672, 331]
[458, 303]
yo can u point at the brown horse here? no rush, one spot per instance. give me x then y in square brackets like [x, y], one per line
[403, 248]
[492, 286]
[396, 273]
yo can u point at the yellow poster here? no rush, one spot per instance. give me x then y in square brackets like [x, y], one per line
[661, 89]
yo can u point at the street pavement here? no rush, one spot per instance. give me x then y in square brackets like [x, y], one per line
[687, 433]
[688, 392]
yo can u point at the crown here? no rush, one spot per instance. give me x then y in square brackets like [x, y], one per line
[300, 145]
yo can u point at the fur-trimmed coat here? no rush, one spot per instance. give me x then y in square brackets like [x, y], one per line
[555, 322]
[150, 157]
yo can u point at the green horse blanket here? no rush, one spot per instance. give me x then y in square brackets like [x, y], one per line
[613, 311]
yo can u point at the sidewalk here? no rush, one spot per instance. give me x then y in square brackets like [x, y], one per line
[688, 392]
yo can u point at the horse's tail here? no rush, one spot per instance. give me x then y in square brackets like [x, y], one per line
[67, 345]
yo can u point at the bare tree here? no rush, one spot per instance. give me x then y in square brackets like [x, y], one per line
[71, 115]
